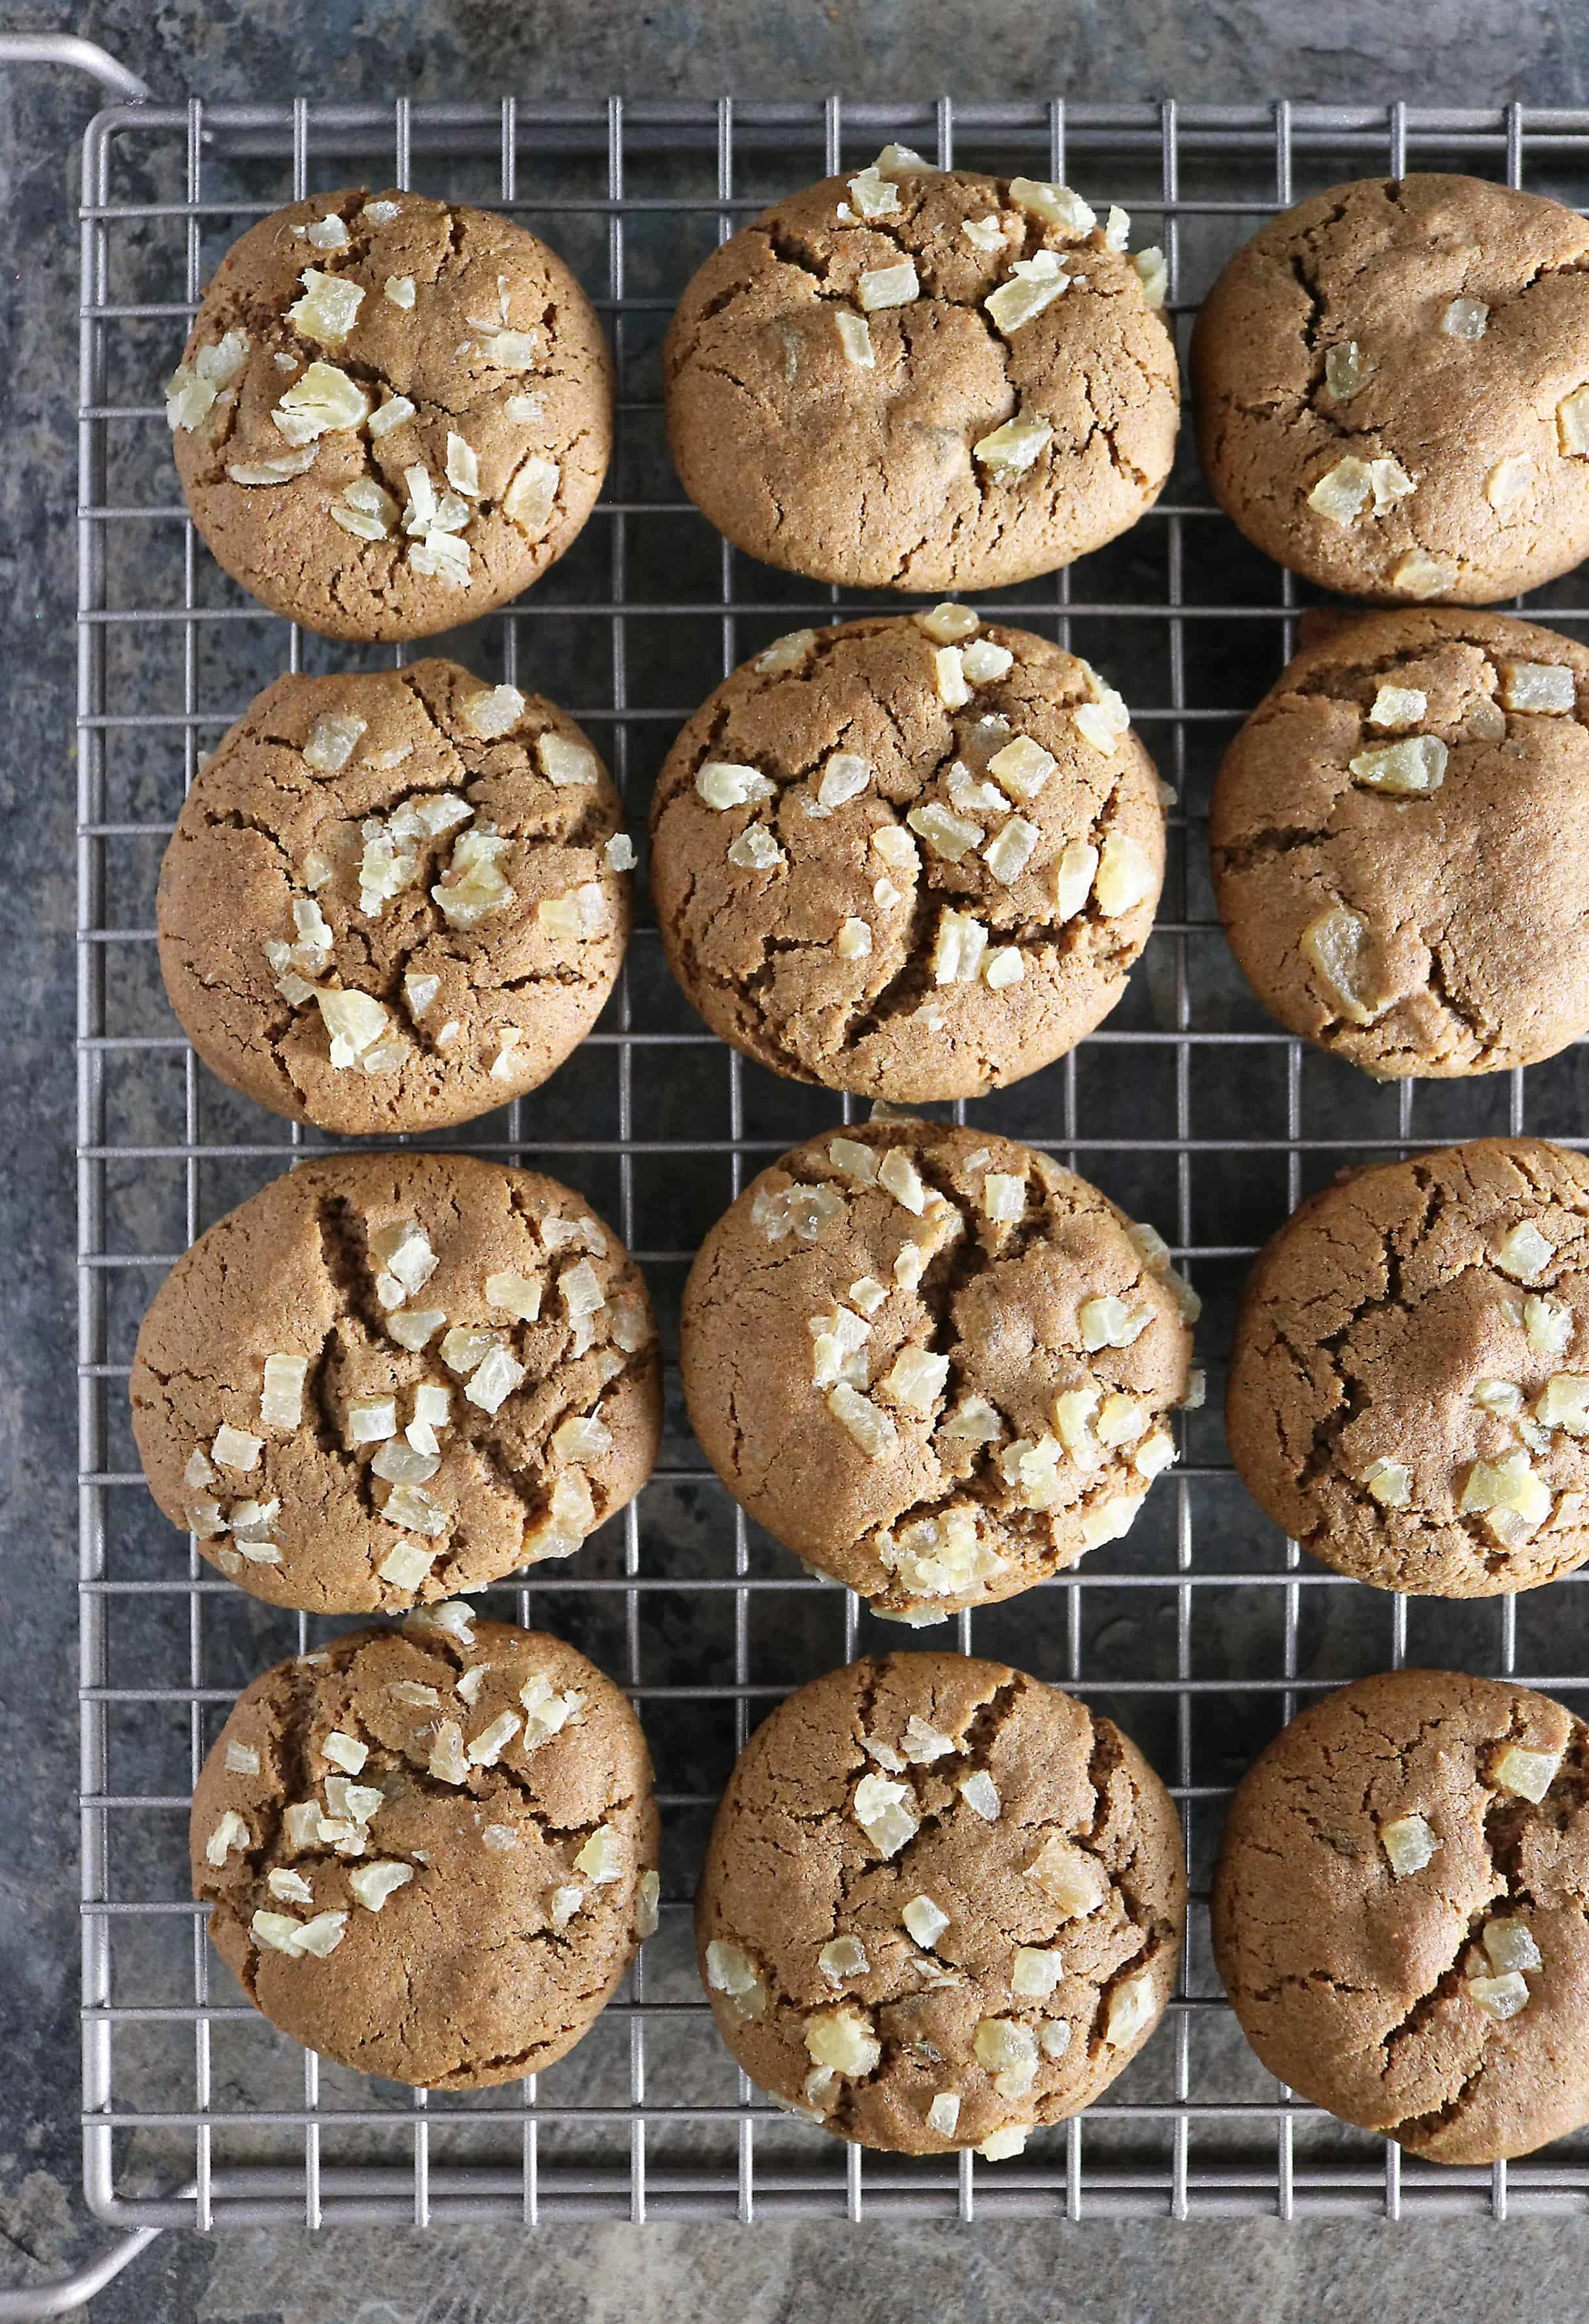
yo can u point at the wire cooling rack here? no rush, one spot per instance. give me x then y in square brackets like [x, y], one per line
[1199, 1634]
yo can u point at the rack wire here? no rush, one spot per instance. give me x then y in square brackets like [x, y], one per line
[1199, 1634]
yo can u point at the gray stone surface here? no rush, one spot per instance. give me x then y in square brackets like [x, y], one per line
[1444, 50]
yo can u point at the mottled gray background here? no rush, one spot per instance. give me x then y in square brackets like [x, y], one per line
[1458, 51]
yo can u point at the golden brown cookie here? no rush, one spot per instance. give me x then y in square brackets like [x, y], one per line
[1408, 1392]
[394, 901]
[1387, 838]
[387, 1378]
[429, 1854]
[933, 1364]
[941, 1904]
[391, 414]
[1399, 1911]
[1391, 384]
[916, 858]
[910, 379]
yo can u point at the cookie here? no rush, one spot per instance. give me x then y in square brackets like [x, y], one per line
[1409, 1390]
[394, 901]
[391, 414]
[915, 858]
[1387, 834]
[387, 1378]
[1399, 1911]
[1391, 389]
[941, 1904]
[429, 1854]
[935, 1365]
[913, 379]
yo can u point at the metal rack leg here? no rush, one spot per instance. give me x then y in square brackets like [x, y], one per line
[74, 2292]
[82, 56]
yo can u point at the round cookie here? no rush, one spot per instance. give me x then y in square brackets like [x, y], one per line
[941, 1904]
[1390, 389]
[394, 900]
[1399, 1914]
[1392, 843]
[934, 1364]
[914, 857]
[1409, 1391]
[387, 1378]
[391, 414]
[429, 1854]
[915, 379]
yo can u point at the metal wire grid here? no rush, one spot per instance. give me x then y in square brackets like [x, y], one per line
[1194, 2127]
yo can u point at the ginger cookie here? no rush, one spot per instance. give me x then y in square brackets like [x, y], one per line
[387, 1378]
[1386, 842]
[934, 1364]
[429, 1854]
[391, 414]
[394, 901]
[915, 379]
[1399, 1911]
[941, 1904]
[1391, 384]
[1408, 1392]
[915, 858]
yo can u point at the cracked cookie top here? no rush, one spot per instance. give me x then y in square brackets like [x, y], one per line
[429, 1854]
[915, 857]
[942, 1906]
[391, 414]
[387, 1378]
[395, 900]
[1391, 384]
[1399, 1911]
[1409, 1391]
[915, 379]
[933, 1364]
[1387, 834]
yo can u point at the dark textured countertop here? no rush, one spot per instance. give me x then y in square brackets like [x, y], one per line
[1449, 50]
